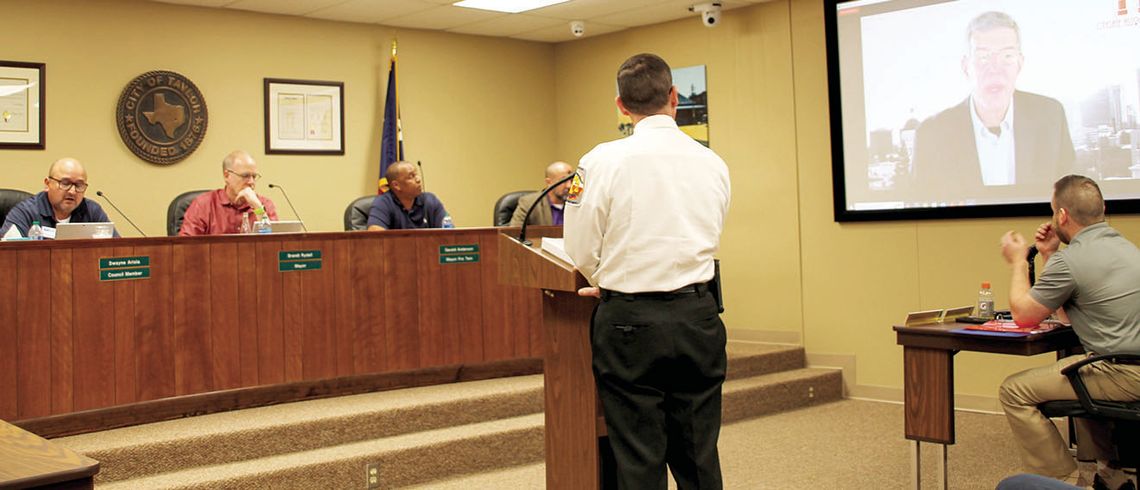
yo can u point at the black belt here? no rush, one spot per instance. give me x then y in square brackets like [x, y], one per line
[698, 289]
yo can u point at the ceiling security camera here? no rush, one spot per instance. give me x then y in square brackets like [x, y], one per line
[710, 13]
[577, 28]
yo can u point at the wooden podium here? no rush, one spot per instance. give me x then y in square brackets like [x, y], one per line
[573, 416]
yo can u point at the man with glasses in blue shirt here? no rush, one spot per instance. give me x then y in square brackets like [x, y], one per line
[61, 201]
[220, 212]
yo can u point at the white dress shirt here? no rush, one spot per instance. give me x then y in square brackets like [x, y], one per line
[995, 151]
[650, 211]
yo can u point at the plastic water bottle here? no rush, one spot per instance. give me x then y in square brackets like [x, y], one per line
[246, 227]
[262, 226]
[986, 301]
[35, 232]
[447, 222]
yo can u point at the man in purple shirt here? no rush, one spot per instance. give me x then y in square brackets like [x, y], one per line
[220, 212]
[548, 212]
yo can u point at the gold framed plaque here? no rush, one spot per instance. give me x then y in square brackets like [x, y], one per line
[304, 117]
[22, 109]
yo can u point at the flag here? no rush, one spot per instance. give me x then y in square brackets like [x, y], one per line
[391, 135]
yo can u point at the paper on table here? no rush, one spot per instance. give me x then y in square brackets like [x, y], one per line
[13, 233]
[557, 248]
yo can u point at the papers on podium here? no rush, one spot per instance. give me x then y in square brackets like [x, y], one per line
[557, 248]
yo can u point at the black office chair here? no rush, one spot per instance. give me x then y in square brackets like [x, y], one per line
[1124, 416]
[356, 214]
[177, 209]
[505, 207]
[9, 198]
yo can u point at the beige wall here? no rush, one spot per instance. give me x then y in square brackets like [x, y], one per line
[477, 111]
[791, 271]
[485, 115]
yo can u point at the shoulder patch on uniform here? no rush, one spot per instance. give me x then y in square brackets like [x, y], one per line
[577, 187]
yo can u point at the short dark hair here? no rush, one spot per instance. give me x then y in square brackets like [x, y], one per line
[1081, 197]
[644, 82]
[396, 171]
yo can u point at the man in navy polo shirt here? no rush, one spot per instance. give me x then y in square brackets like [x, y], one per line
[405, 205]
[61, 201]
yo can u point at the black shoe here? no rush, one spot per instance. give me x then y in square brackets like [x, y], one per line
[1099, 484]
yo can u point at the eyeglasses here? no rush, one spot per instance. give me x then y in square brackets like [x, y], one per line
[1004, 57]
[67, 185]
[244, 176]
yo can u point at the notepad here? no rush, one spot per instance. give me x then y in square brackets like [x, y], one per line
[557, 248]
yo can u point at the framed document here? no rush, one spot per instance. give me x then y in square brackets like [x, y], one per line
[304, 117]
[21, 105]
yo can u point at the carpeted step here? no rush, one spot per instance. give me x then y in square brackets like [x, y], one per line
[752, 359]
[777, 392]
[175, 445]
[401, 460]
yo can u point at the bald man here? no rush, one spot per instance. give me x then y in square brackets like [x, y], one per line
[549, 211]
[61, 201]
[220, 212]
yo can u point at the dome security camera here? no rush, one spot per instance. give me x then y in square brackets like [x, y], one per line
[577, 28]
[710, 13]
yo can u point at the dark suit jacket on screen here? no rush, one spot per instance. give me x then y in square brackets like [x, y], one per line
[946, 158]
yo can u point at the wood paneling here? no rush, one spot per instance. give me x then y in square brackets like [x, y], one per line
[62, 314]
[929, 394]
[123, 312]
[154, 326]
[94, 330]
[33, 325]
[9, 349]
[217, 314]
[193, 366]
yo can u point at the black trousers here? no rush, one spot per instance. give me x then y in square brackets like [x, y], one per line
[659, 363]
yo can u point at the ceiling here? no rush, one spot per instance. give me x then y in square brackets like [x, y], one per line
[548, 24]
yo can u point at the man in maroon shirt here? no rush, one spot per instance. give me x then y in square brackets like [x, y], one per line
[220, 212]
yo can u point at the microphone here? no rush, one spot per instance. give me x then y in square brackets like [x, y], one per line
[423, 181]
[283, 193]
[104, 196]
[1032, 266]
[522, 232]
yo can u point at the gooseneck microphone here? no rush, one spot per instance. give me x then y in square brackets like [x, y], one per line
[105, 198]
[283, 193]
[522, 232]
[1032, 266]
[423, 181]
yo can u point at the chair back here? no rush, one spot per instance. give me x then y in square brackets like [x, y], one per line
[9, 198]
[505, 207]
[356, 214]
[177, 209]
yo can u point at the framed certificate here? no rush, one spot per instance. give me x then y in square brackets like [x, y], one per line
[21, 105]
[304, 117]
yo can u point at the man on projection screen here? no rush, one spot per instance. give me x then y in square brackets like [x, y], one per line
[999, 142]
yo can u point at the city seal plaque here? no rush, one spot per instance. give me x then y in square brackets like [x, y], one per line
[161, 117]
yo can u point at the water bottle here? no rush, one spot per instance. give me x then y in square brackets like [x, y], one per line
[447, 222]
[246, 228]
[262, 226]
[35, 232]
[986, 302]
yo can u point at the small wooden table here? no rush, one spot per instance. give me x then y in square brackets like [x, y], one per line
[28, 460]
[928, 376]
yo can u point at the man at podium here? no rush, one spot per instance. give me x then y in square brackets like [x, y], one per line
[643, 220]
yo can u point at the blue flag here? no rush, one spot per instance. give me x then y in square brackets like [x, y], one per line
[391, 135]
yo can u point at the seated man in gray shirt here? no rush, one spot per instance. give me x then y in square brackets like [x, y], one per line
[1095, 283]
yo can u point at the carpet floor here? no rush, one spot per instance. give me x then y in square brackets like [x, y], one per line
[849, 444]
